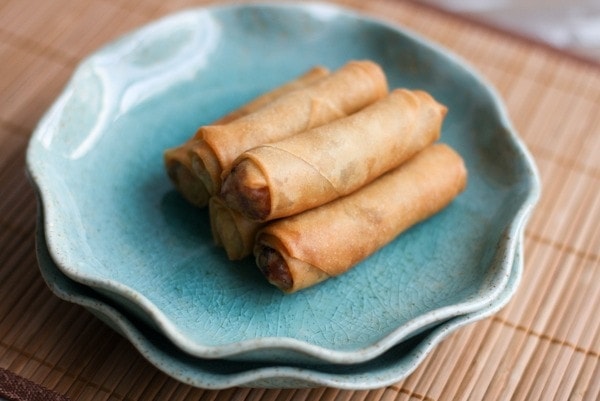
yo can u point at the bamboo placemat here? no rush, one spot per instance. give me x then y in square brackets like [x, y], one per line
[544, 345]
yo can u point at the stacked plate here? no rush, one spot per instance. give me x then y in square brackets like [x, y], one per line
[116, 238]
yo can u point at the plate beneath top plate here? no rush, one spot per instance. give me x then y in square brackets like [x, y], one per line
[114, 222]
[390, 367]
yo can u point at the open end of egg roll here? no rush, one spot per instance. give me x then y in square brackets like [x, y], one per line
[288, 277]
[206, 167]
[179, 171]
[273, 266]
[174, 159]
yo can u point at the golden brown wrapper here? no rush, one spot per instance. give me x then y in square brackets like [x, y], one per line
[232, 230]
[177, 159]
[345, 91]
[179, 170]
[309, 77]
[319, 165]
[328, 240]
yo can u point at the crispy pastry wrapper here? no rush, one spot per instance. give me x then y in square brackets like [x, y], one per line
[179, 170]
[299, 251]
[232, 230]
[177, 159]
[343, 92]
[304, 80]
[319, 165]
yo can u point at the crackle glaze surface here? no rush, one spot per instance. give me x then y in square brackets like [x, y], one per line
[114, 223]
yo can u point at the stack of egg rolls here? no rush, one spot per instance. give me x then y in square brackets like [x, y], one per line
[316, 99]
[178, 162]
[314, 167]
[318, 174]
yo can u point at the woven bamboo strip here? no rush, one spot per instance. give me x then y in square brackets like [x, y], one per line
[46, 316]
[415, 386]
[555, 299]
[287, 394]
[117, 380]
[407, 386]
[87, 375]
[20, 209]
[55, 345]
[548, 257]
[60, 350]
[12, 256]
[593, 391]
[473, 362]
[451, 362]
[20, 298]
[22, 105]
[76, 356]
[131, 381]
[515, 347]
[462, 356]
[572, 362]
[528, 304]
[573, 298]
[563, 278]
[535, 374]
[119, 371]
[372, 395]
[294, 395]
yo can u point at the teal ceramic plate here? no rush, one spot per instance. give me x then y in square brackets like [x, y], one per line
[388, 368]
[114, 223]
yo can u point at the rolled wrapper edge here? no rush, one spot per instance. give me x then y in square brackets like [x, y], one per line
[371, 69]
[172, 158]
[231, 230]
[205, 165]
[179, 170]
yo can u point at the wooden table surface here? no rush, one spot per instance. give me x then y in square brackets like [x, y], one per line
[544, 345]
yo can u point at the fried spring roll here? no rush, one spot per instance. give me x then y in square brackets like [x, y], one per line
[345, 91]
[177, 160]
[302, 250]
[317, 166]
[232, 230]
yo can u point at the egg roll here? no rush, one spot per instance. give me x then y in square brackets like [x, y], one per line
[319, 165]
[231, 230]
[343, 92]
[177, 160]
[302, 250]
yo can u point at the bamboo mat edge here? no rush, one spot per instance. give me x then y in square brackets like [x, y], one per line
[569, 257]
